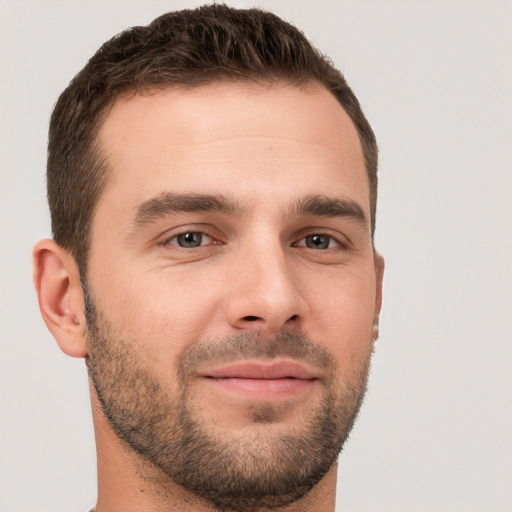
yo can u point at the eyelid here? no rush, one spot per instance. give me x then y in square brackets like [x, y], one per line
[302, 242]
[204, 229]
[340, 239]
[203, 237]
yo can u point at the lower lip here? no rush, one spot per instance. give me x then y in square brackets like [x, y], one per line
[267, 389]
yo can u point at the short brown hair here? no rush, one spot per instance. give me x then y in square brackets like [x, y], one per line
[188, 48]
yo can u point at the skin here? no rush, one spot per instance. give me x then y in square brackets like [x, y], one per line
[265, 147]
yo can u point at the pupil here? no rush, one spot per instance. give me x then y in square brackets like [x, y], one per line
[190, 240]
[318, 241]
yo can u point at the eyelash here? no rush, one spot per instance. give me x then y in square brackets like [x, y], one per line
[331, 240]
[168, 241]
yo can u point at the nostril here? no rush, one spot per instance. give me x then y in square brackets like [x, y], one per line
[292, 318]
[251, 318]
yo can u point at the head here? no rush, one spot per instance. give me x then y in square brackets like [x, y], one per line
[212, 183]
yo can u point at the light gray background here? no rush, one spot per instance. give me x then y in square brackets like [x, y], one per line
[435, 79]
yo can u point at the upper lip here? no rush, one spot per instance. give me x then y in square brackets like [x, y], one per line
[275, 369]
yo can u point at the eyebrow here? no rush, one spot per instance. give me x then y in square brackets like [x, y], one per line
[323, 206]
[168, 202]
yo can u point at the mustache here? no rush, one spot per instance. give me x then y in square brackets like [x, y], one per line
[255, 345]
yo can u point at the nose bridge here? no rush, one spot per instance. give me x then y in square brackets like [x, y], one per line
[264, 292]
[274, 283]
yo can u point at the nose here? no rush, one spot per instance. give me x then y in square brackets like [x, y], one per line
[264, 292]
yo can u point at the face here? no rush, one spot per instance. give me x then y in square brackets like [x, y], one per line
[232, 287]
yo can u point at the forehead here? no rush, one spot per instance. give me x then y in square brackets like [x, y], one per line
[241, 139]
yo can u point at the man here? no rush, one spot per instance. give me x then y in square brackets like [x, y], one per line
[212, 182]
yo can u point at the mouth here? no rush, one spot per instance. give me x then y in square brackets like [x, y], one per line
[262, 380]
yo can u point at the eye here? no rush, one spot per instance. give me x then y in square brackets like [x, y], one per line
[190, 240]
[318, 241]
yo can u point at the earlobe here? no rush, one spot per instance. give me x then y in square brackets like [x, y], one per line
[60, 296]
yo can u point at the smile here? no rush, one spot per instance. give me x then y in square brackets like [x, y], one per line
[278, 380]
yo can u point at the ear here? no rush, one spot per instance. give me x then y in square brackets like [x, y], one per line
[61, 301]
[379, 275]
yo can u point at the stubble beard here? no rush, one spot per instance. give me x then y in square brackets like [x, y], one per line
[236, 473]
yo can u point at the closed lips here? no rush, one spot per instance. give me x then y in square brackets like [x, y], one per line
[262, 371]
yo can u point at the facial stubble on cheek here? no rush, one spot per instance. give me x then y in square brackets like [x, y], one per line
[242, 470]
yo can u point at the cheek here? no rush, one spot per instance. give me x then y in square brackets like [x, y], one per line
[164, 310]
[342, 314]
